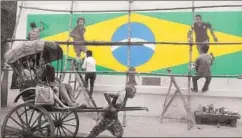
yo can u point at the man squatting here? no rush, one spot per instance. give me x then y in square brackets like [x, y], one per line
[203, 69]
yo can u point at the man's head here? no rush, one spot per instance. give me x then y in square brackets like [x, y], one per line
[89, 53]
[198, 19]
[130, 90]
[81, 21]
[32, 25]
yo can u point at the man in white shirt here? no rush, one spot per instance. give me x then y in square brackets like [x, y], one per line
[89, 65]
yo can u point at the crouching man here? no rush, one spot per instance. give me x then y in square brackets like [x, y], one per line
[203, 69]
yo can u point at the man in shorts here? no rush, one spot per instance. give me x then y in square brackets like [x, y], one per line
[78, 35]
[200, 28]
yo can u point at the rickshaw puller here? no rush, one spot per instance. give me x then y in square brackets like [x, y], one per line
[109, 120]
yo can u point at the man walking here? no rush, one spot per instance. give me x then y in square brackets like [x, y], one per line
[200, 29]
[89, 65]
[203, 69]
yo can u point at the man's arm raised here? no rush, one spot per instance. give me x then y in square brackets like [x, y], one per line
[108, 97]
[42, 26]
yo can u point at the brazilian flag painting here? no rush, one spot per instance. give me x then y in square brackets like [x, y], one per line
[149, 26]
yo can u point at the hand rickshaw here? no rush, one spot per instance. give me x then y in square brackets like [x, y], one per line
[29, 119]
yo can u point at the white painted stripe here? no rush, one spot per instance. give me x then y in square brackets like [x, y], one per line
[151, 46]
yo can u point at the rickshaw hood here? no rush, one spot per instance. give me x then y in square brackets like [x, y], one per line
[32, 47]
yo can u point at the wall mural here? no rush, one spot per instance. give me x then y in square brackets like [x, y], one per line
[150, 26]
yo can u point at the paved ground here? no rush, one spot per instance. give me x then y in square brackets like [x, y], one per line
[151, 127]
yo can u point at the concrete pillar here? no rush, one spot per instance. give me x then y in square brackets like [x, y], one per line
[8, 20]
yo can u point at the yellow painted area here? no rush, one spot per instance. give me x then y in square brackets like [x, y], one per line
[164, 55]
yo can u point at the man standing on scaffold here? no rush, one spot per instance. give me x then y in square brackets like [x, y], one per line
[109, 120]
[200, 28]
[78, 35]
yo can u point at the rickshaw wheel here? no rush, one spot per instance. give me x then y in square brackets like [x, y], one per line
[66, 123]
[23, 121]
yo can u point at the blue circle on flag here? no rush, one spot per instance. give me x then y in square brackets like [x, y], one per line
[138, 54]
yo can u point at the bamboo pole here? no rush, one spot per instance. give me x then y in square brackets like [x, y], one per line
[134, 10]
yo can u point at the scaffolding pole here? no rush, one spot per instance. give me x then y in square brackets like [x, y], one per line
[129, 53]
[138, 43]
[68, 44]
[189, 122]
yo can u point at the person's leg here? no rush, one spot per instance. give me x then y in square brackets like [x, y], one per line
[194, 81]
[206, 84]
[199, 50]
[205, 46]
[87, 77]
[64, 95]
[57, 100]
[14, 81]
[92, 80]
[78, 55]
[116, 129]
[70, 92]
[100, 127]
[77, 51]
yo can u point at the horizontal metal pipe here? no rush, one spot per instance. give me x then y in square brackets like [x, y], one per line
[155, 74]
[107, 110]
[155, 9]
[105, 107]
[105, 43]
[101, 109]
[147, 73]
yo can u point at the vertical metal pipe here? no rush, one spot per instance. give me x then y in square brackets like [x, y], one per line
[68, 49]
[189, 124]
[129, 35]
[129, 53]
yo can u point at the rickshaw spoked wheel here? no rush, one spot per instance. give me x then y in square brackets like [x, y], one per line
[24, 121]
[66, 123]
